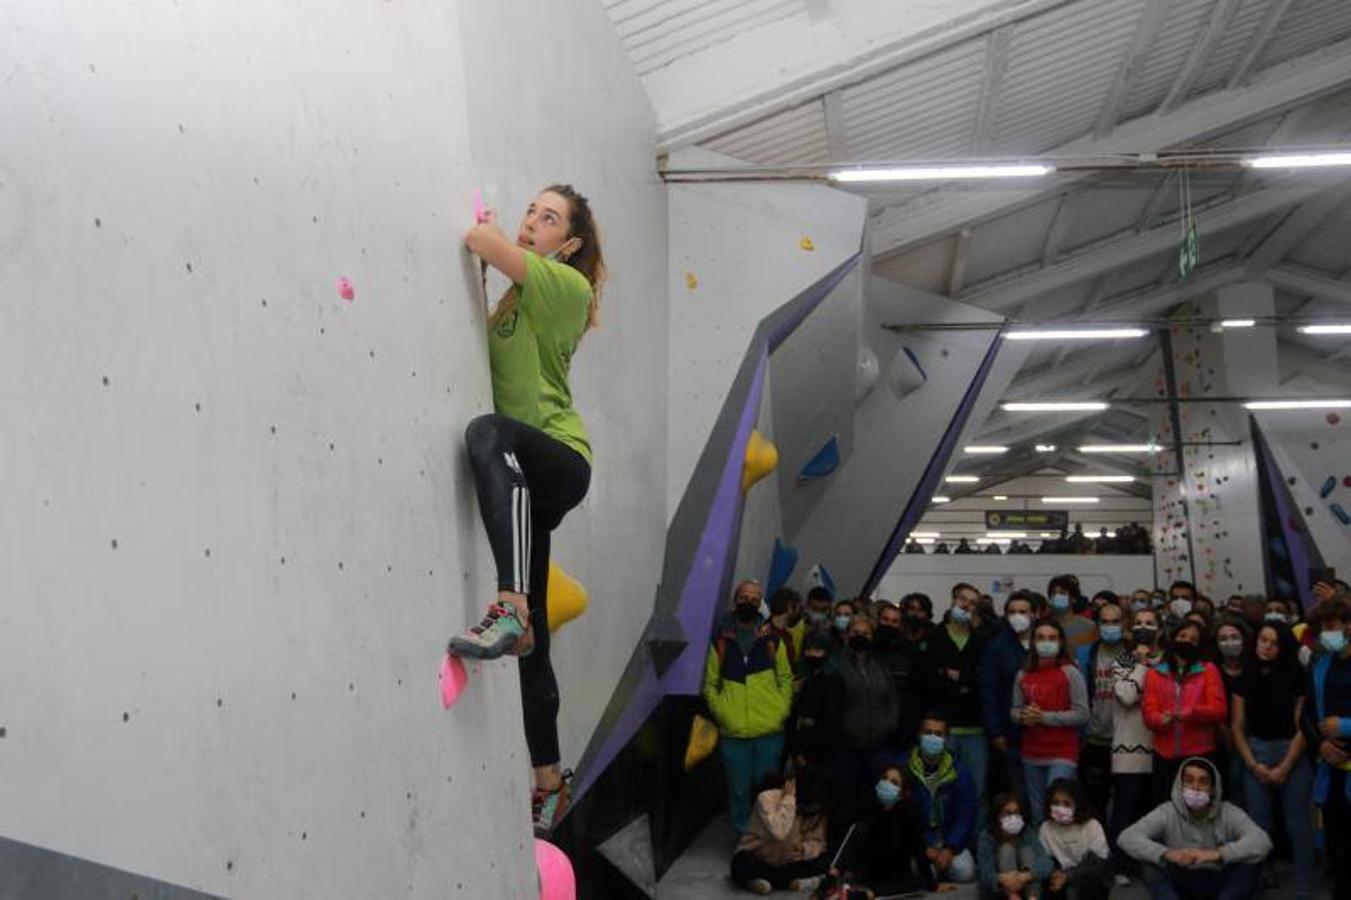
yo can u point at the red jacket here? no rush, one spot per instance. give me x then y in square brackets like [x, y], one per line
[1198, 705]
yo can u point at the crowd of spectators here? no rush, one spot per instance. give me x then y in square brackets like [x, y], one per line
[1055, 748]
[1129, 539]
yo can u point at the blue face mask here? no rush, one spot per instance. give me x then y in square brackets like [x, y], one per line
[931, 745]
[1060, 602]
[1333, 641]
[961, 615]
[1111, 634]
[842, 623]
[887, 793]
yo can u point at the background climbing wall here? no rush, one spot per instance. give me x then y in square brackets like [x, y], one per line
[1220, 525]
[238, 526]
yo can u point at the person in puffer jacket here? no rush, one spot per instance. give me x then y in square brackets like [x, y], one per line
[1196, 845]
[1184, 704]
[748, 686]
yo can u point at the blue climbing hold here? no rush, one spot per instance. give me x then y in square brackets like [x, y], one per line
[1340, 512]
[1328, 486]
[781, 566]
[824, 463]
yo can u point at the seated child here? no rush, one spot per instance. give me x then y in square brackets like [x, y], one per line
[1011, 861]
[1076, 844]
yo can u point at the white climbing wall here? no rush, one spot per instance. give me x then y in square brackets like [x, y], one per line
[237, 526]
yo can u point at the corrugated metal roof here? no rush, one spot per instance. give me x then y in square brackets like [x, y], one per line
[656, 32]
[1099, 213]
[926, 267]
[1232, 43]
[1010, 242]
[1181, 29]
[1308, 25]
[1329, 246]
[1061, 66]
[793, 137]
[923, 110]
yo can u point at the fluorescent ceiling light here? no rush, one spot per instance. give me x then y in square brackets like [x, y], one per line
[1119, 448]
[939, 173]
[1055, 406]
[962, 479]
[986, 448]
[990, 540]
[923, 540]
[939, 498]
[1298, 160]
[1297, 404]
[999, 497]
[1045, 448]
[1046, 534]
[1006, 534]
[1104, 479]
[1325, 329]
[1237, 323]
[924, 534]
[1069, 499]
[1076, 334]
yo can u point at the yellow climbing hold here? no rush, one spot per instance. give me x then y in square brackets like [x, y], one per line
[761, 459]
[806, 244]
[567, 597]
[703, 740]
[691, 281]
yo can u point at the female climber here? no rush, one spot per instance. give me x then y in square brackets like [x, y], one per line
[531, 458]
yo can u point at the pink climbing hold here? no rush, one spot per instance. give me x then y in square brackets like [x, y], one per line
[480, 210]
[345, 289]
[1334, 418]
[556, 879]
[453, 680]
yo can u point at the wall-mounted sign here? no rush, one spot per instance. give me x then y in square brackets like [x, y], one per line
[1027, 519]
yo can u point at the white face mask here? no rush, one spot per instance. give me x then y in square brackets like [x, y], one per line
[1012, 824]
[1020, 622]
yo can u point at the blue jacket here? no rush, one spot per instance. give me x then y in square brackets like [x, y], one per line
[948, 811]
[1315, 712]
[1004, 656]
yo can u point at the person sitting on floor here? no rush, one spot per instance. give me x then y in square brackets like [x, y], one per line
[885, 853]
[1013, 863]
[946, 796]
[1076, 843]
[784, 848]
[1196, 845]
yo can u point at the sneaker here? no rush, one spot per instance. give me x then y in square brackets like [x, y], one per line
[805, 885]
[548, 807]
[759, 886]
[1123, 880]
[499, 631]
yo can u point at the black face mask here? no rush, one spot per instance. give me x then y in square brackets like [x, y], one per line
[812, 664]
[746, 612]
[887, 636]
[860, 642]
[1144, 634]
[1186, 652]
[914, 620]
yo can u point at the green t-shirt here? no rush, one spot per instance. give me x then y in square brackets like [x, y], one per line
[530, 351]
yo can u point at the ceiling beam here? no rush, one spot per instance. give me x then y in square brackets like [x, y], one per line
[1055, 235]
[1253, 52]
[1142, 42]
[1294, 359]
[1221, 12]
[1308, 283]
[960, 254]
[1298, 225]
[1007, 293]
[837, 140]
[991, 85]
[944, 211]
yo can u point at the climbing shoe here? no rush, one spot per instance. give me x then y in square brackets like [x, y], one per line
[548, 807]
[499, 631]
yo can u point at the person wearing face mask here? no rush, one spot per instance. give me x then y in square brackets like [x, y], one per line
[1195, 844]
[1266, 707]
[865, 716]
[1050, 701]
[1181, 597]
[784, 848]
[884, 853]
[917, 613]
[1232, 638]
[1004, 657]
[901, 659]
[952, 682]
[1012, 862]
[1076, 844]
[1063, 595]
[1141, 599]
[1326, 725]
[819, 603]
[1098, 662]
[946, 797]
[748, 686]
[840, 617]
[810, 726]
[1184, 705]
[1132, 741]
[785, 618]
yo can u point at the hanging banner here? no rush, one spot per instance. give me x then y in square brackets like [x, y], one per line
[1027, 519]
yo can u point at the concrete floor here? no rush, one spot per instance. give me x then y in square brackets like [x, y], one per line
[701, 874]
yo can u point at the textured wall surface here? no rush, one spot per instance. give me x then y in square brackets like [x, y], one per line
[238, 525]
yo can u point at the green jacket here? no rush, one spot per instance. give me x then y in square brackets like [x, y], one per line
[749, 694]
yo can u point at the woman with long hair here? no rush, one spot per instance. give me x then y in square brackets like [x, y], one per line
[1050, 702]
[1183, 705]
[531, 457]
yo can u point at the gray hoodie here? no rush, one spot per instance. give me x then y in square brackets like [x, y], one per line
[1220, 826]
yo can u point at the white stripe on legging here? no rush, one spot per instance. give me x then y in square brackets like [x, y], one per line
[525, 540]
[520, 545]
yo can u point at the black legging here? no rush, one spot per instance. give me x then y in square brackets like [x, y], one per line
[527, 481]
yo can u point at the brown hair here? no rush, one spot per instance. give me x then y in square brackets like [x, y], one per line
[588, 259]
